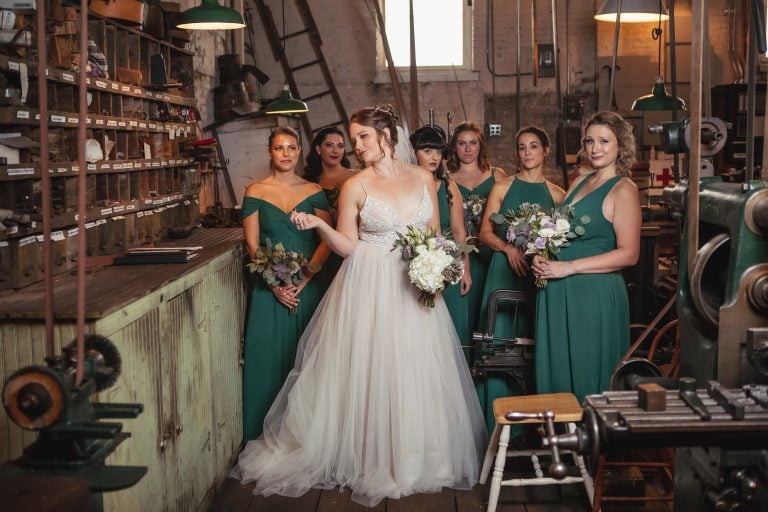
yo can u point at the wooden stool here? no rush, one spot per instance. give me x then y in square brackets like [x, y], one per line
[565, 408]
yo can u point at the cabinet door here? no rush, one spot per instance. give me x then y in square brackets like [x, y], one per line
[142, 347]
[191, 472]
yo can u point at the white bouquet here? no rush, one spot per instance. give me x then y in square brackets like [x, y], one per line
[434, 261]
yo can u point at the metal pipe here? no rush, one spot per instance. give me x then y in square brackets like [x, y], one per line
[45, 178]
[534, 45]
[393, 78]
[517, 66]
[490, 45]
[733, 54]
[673, 80]
[81, 197]
[694, 162]
[414, 75]
[707, 91]
[752, 36]
[612, 78]
[558, 92]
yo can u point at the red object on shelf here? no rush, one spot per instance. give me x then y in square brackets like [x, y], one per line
[205, 142]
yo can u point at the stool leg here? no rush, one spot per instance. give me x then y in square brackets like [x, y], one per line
[493, 445]
[498, 469]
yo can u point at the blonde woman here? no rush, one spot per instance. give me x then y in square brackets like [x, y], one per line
[582, 316]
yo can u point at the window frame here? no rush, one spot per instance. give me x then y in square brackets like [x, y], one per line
[465, 72]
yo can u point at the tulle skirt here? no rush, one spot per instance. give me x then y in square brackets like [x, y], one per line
[380, 399]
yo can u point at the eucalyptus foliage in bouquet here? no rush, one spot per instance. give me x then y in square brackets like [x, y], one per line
[474, 206]
[279, 267]
[536, 232]
[434, 261]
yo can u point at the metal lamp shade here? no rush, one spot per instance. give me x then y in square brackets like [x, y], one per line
[286, 104]
[658, 99]
[632, 11]
[209, 15]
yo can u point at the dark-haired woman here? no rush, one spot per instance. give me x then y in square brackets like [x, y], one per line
[272, 331]
[508, 269]
[380, 400]
[582, 316]
[429, 144]
[469, 167]
[328, 166]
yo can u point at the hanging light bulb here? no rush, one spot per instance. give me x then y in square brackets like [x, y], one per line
[632, 11]
[209, 15]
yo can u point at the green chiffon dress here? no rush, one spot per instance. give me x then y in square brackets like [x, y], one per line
[456, 303]
[332, 264]
[478, 261]
[582, 321]
[272, 332]
[501, 277]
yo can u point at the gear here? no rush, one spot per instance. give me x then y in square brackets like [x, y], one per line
[106, 359]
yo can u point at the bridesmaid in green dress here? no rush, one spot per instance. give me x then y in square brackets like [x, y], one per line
[469, 167]
[582, 316]
[328, 166]
[272, 332]
[429, 144]
[508, 269]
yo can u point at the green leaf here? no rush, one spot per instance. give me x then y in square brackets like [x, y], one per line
[497, 218]
[586, 219]
[579, 230]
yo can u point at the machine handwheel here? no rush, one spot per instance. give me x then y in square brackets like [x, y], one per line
[35, 397]
[593, 434]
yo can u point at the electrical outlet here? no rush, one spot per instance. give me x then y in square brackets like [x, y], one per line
[494, 130]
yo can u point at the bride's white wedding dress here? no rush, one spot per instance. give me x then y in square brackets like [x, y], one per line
[380, 399]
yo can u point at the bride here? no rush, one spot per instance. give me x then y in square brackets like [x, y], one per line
[380, 399]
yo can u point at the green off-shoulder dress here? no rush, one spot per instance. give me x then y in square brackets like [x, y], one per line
[582, 321]
[332, 264]
[456, 304]
[272, 332]
[501, 277]
[478, 261]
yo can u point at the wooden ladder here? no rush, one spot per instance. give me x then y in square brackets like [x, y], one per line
[307, 34]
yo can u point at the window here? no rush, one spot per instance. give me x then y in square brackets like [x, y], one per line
[443, 38]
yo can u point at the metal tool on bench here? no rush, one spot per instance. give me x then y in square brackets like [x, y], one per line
[72, 438]
[722, 431]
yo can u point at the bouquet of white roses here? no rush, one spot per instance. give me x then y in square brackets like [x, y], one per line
[279, 267]
[474, 206]
[434, 261]
[540, 233]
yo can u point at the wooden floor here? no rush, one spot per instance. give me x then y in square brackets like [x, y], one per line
[232, 497]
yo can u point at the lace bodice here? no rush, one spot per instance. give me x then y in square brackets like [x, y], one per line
[380, 223]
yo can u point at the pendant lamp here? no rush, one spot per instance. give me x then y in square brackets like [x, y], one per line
[209, 15]
[286, 103]
[632, 11]
[658, 99]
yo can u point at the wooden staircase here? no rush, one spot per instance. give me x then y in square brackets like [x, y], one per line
[318, 87]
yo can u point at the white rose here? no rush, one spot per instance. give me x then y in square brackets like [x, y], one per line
[562, 226]
[426, 270]
[546, 233]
